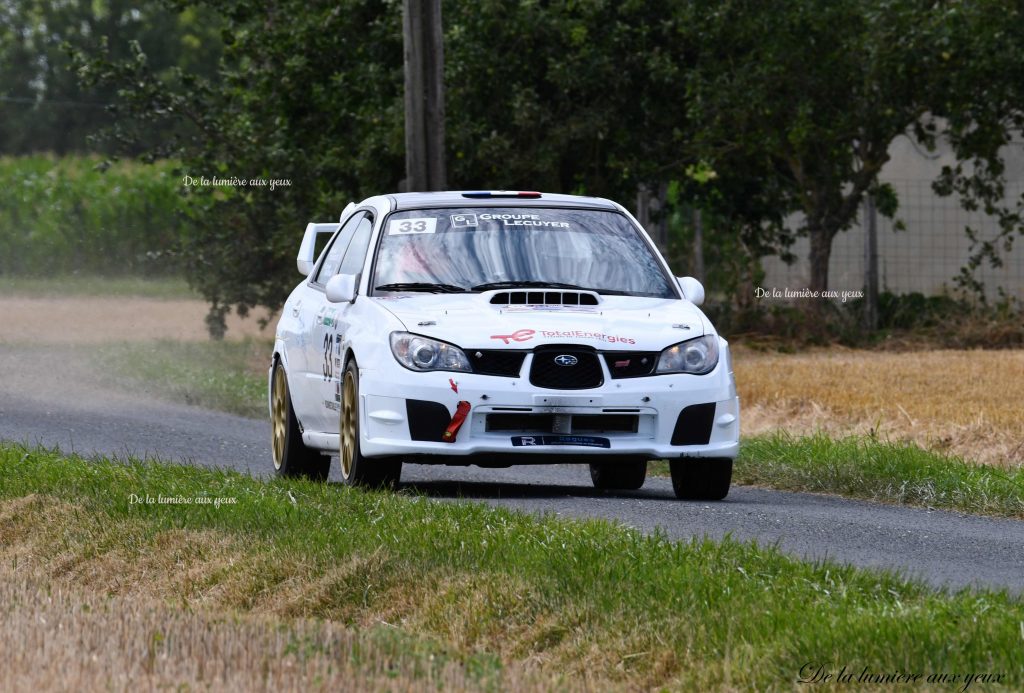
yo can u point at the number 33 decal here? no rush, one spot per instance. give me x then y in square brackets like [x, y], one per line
[413, 227]
[328, 356]
[400, 227]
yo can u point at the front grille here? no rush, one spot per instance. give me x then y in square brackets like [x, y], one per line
[579, 368]
[578, 423]
[630, 364]
[497, 362]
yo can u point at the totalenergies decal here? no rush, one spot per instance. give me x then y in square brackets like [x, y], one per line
[517, 336]
[527, 335]
[582, 334]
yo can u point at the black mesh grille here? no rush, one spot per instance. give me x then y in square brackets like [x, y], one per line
[497, 362]
[427, 420]
[566, 368]
[604, 423]
[580, 423]
[631, 364]
[693, 427]
[521, 422]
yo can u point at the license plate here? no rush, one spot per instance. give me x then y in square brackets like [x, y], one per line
[584, 441]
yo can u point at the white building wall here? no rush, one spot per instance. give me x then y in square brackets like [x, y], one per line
[929, 254]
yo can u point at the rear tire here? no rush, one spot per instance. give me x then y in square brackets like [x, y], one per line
[624, 476]
[356, 470]
[701, 478]
[291, 457]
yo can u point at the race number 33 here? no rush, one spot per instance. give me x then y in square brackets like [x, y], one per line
[404, 227]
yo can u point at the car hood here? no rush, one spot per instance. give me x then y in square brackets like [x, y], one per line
[617, 323]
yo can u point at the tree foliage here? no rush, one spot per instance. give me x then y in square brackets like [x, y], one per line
[754, 110]
[44, 107]
[819, 89]
[566, 96]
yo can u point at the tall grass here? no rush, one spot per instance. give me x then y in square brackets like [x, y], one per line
[891, 472]
[63, 216]
[591, 600]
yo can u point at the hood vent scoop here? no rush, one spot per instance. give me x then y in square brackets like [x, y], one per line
[549, 297]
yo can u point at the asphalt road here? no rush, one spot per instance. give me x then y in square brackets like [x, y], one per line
[946, 549]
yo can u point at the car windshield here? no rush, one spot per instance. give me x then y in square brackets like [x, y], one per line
[476, 249]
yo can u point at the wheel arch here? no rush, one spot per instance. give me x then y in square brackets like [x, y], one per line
[279, 357]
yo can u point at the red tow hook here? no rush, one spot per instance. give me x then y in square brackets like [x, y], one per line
[460, 417]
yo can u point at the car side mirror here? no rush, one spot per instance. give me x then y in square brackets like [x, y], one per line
[693, 290]
[341, 288]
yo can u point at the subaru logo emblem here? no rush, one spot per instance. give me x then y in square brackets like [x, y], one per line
[566, 360]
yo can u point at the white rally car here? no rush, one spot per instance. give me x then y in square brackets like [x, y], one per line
[497, 328]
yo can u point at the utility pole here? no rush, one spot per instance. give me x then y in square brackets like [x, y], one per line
[698, 245]
[424, 95]
[870, 263]
[643, 205]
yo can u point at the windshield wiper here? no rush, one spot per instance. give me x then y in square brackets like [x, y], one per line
[527, 284]
[422, 286]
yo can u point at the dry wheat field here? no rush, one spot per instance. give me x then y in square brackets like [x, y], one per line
[967, 403]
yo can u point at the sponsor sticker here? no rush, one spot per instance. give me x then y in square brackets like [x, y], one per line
[407, 227]
[517, 336]
[583, 334]
[511, 220]
[463, 220]
[582, 441]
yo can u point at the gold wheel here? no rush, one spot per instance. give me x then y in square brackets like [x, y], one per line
[280, 415]
[347, 453]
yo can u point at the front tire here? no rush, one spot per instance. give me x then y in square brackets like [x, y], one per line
[620, 476]
[291, 457]
[356, 470]
[701, 478]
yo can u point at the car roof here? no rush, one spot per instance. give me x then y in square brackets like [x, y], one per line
[457, 198]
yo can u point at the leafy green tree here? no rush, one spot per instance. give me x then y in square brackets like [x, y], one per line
[817, 90]
[568, 96]
[308, 93]
[755, 110]
[565, 96]
[43, 104]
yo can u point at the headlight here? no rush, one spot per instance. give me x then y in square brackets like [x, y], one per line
[697, 356]
[424, 354]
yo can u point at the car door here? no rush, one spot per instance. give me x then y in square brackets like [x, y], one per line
[308, 308]
[330, 325]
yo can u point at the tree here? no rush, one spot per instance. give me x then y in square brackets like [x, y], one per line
[818, 89]
[569, 97]
[44, 106]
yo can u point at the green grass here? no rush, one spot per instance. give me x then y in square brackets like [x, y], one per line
[93, 286]
[877, 470]
[864, 467]
[584, 598]
[227, 376]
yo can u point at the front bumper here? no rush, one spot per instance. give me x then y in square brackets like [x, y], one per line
[510, 416]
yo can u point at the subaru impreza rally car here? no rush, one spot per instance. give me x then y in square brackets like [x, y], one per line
[497, 328]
